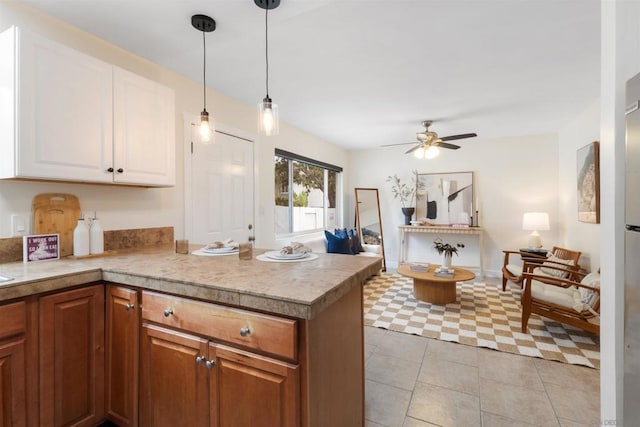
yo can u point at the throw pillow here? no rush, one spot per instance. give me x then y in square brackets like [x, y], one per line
[336, 244]
[357, 245]
[553, 272]
[587, 296]
[343, 233]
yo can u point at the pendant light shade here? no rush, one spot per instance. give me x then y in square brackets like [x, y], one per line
[206, 127]
[268, 122]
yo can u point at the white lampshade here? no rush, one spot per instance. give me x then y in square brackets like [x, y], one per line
[534, 221]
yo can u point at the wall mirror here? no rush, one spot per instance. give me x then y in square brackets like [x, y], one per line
[368, 220]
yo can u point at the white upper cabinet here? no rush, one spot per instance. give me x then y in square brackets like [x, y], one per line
[67, 116]
[144, 131]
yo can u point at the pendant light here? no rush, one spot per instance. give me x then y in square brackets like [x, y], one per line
[267, 110]
[205, 24]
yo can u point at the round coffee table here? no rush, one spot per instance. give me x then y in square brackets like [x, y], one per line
[434, 289]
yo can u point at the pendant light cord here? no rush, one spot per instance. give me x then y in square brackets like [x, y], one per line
[204, 70]
[266, 47]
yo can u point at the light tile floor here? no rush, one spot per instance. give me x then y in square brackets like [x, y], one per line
[413, 381]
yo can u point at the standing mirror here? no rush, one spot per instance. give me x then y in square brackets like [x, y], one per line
[368, 220]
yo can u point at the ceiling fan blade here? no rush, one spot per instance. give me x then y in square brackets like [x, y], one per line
[393, 145]
[445, 145]
[411, 150]
[461, 136]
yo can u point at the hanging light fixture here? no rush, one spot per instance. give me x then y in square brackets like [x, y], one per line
[267, 109]
[205, 24]
[425, 152]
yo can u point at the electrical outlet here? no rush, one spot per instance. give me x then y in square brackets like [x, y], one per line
[19, 226]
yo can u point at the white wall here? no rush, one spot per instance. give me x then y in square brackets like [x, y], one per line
[125, 207]
[620, 60]
[584, 129]
[512, 176]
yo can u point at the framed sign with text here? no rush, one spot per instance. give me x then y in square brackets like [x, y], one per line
[40, 247]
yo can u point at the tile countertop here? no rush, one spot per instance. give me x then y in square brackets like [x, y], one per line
[301, 289]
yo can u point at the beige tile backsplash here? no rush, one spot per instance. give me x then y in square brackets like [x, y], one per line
[11, 248]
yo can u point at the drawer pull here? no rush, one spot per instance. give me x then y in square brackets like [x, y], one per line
[245, 331]
[168, 312]
[200, 359]
[129, 306]
[210, 364]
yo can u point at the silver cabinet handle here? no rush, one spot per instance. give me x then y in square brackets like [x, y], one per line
[129, 306]
[210, 364]
[199, 359]
[168, 312]
[245, 331]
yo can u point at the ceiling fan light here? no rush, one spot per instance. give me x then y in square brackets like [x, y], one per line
[206, 128]
[268, 122]
[419, 153]
[431, 152]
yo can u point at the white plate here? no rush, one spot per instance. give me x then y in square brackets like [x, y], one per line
[222, 250]
[279, 255]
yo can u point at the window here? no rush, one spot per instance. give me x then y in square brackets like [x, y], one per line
[306, 194]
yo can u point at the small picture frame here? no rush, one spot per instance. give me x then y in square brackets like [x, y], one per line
[40, 247]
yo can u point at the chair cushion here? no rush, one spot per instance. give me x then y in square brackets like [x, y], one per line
[554, 272]
[514, 269]
[564, 297]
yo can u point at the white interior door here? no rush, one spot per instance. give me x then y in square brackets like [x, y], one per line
[220, 189]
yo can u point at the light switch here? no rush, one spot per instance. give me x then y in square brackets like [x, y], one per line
[18, 225]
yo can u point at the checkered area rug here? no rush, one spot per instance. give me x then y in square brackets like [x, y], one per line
[483, 316]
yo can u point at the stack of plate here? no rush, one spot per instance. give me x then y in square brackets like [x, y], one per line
[280, 256]
[220, 250]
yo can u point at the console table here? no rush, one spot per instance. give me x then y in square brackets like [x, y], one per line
[474, 231]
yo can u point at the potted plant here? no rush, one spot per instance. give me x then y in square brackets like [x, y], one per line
[406, 193]
[446, 250]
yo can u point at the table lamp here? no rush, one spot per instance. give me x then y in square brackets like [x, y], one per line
[534, 221]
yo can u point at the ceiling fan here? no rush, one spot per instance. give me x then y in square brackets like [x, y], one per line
[429, 142]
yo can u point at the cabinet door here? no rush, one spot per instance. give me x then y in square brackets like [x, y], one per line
[249, 390]
[72, 357]
[65, 114]
[144, 131]
[12, 383]
[122, 343]
[173, 389]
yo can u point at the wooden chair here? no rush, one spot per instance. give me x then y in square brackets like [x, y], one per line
[573, 298]
[513, 272]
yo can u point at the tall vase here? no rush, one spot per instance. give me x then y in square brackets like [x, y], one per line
[408, 213]
[446, 259]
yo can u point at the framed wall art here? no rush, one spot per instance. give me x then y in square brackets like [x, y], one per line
[589, 183]
[445, 198]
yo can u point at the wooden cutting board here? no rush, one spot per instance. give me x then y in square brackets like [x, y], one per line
[57, 213]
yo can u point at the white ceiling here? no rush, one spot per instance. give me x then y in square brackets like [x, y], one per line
[363, 73]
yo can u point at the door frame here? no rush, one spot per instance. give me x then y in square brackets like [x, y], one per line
[189, 130]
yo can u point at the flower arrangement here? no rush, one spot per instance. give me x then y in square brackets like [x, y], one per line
[446, 248]
[405, 192]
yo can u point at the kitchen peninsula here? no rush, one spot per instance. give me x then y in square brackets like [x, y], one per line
[199, 340]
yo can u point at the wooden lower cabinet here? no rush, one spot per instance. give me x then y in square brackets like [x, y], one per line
[13, 376]
[188, 380]
[13, 368]
[174, 387]
[249, 390]
[122, 353]
[71, 355]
